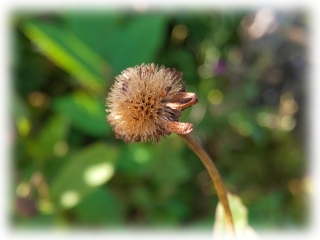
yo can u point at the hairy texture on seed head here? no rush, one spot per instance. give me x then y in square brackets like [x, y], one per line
[146, 101]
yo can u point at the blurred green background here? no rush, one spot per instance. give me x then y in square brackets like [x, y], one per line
[248, 69]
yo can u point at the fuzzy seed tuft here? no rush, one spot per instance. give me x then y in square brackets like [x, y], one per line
[146, 101]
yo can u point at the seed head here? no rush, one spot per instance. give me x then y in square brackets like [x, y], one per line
[146, 101]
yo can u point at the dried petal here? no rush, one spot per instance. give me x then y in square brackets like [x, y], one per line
[182, 100]
[179, 127]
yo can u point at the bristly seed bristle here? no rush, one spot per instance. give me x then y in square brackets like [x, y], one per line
[146, 101]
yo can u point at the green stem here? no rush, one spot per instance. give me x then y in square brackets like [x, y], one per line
[196, 146]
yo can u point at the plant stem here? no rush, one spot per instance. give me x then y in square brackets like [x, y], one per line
[196, 146]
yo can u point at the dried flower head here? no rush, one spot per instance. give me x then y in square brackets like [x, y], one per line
[146, 101]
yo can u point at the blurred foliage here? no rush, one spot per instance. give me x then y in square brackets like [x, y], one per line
[248, 69]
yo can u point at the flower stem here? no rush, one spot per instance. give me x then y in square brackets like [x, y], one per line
[196, 146]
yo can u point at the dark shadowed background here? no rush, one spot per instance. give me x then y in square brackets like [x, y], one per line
[249, 71]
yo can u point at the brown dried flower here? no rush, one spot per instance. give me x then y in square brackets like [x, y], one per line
[146, 102]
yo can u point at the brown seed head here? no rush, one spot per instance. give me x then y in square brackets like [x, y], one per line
[146, 101]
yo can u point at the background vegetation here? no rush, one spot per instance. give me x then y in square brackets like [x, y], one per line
[248, 70]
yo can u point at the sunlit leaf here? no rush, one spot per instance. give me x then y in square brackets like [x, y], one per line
[239, 216]
[68, 52]
[71, 183]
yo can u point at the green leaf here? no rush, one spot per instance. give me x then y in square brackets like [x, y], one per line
[85, 112]
[169, 214]
[68, 52]
[124, 41]
[84, 171]
[267, 212]
[36, 222]
[136, 160]
[142, 198]
[19, 107]
[21, 115]
[100, 207]
[170, 170]
[54, 132]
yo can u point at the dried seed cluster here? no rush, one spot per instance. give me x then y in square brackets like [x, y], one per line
[146, 101]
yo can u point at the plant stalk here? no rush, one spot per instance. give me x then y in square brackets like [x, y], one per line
[196, 146]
